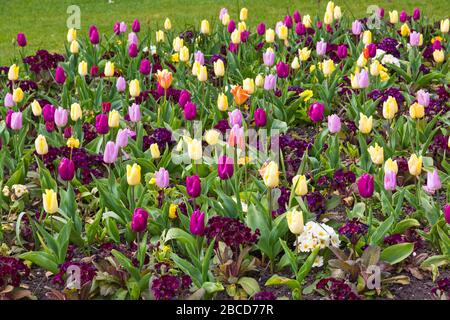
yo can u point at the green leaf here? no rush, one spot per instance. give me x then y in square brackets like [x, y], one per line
[405, 225]
[397, 253]
[382, 230]
[250, 285]
[42, 259]
[306, 267]
[276, 280]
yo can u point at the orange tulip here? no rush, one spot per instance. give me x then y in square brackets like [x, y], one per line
[366, 53]
[164, 78]
[240, 95]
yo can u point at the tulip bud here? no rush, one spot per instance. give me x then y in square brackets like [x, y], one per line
[356, 27]
[270, 174]
[433, 182]
[109, 69]
[423, 97]
[365, 123]
[114, 119]
[41, 145]
[50, 201]
[366, 185]
[71, 35]
[295, 221]
[203, 74]
[260, 117]
[61, 117]
[133, 174]
[390, 165]
[299, 185]
[21, 40]
[193, 186]
[328, 67]
[162, 178]
[36, 108]
[184, 54]
[367, 37]
[249, 85]
[307, 21]
[390, 180]
[415, 165]
[190, 111]
[270, 82]
[13, 72]
[135, 89]
[94, 36]
[197, 223]
[304, 54]
[167, 24]
[139, 220]
[164, 78]
[111, 152]
[101, 124]
[447, 211]
[416, 111]
[236, 37]
[204, 27]
[16, 120]
[390, 108]
[154, 150]
[404, 30]
[173, 211]
[219, 68]
[18, 95]
[259, 81]
[212, 136]
[393, 16]
[376, 154]
[145, 67]
[334, 123]
[74, 47]
[270, 35]
[321, 47]
[438, 56]
[316, 111]
[225, 167]
[445, 24]
[195, 149]
[222, 102]
[83, 68]
[159, 36]
[66, 169]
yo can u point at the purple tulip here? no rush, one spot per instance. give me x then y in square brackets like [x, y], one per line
[94, 71]
[414, 39]
[261, 29]
[184, 98]
[334, 123]
[162, 178]
[447, 213]
[433, 182]
[117, 28]
[260, 117]
[67, 132]
[94, 36]
[136, 26]
[416, 14]
[197, 223]
[190, 111]
[363, 78]
[16, 120]
[193, 186]
[60, 76]
[199, 57]
[61, 117]
[121, 84]
[111, 152]
[270, 82]
[50, 126]
[297, 16]
[366, 185]
[356, 27]
[122, 137]
[282, 69]
[235, 118]
[132, 38]
[316, 111]
[21, 39]
[139, 220]
[423, 97]
[145, 67]
[9, 101]
[231, 26]
[372, 49]
[403, 16]
[8, 118]
[390, 180]
[269, 58]
[233, 47]
[321, 48]
[380, 12]
[342, 51]
[437, 45]
[66, 169]
[48, 113]
[134, 112]
[122, 27]
[288, 22]
[133, 50]
[101, 124]
[319, 24]
[225, 167]
[300, 29]
[244, 35]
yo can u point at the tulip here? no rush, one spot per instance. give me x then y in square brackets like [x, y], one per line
[297, 16]
[243, 14]
[133, 50]
[365, 123]
[270, 174]
[393, 16]
[367, 37]
[282, 32]
[390, 180]
[21, 40]
[321, 47]
[225, 167]
[222, 102]
[101, 124]
[133, 174]
[376, 154]
[356, 27]
[249, 85]
[41, 145]
[48, 113]
[60, 76]
[114, 119]
[9, 100]
[135, 89]
[261, 28]
[236, 36]
[316, 111]
[154, 151]
[231, 26]
[184, 98]
[17, 95]
[447, 213]
[195, 149]
[295, 221]
[299, 185]
[445, 24]
[300, 29]
[362, 61]
[416, 111]
[259, 81]
[198, 56]
[390, 108]
[342, 51]
[295, 64]
[438, 56]
[390, 165]
[94, 36]
[223, 11]
[270, 35]
[74, 47]
[71, 35]
[162, 178]
[204, 27]
[61, 117]
[134, 112]
[159, 36]
[121, 84]
[16, 120]
[50, 201]
[36, 108]
[225, 19]
[337, 13]
[212, 136]
[334, 123]
[433, 182]
[304, 54]
[8, 118]
[260, 117]
[190, 111]
[106, 107]
[235, 118]
[197, 223]
[144, 67]
[13, 72]
[177, 44]
[236, 137]
[423, 97]
[122, 137]
[366, 185]
[403, 16]
[307, 21]
[167, 24]
[75, 112]
[193, 186]
[136, 26]
[414, 39]
[328, 67]
[109, 69]
[219, 68]
[133, 39]
[82, 68]
[270, 82]
[282, 69]
[240, 95]
[164, 78]
[404, 30]
[66, 169]
[269, 57]
[139, 220]
[415, 165]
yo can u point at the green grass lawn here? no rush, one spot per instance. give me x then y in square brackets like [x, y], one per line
[44, 21]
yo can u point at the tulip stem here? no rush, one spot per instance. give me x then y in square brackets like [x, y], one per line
[133, 205]
[269, 201]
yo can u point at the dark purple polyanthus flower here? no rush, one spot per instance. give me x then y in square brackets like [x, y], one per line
[264, 295]
[11, 271]
[353, 230]
[337, 289]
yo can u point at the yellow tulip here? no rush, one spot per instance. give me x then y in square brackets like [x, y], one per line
[376, 154]
[167, 24]
[445, 24]
[114, 119]
[73, 143]
[393, 16]
[109, 69]
[259, 81]
[196, 68]
[270, 35]
[328, 67]
[242, 26]
[243, 14]
[306, 95]
[226, 19]
[50, 201]
[74, 47]
[219, 68]
[416, 111]
[438, 56]
[390, 108]
[41, 145]
[415, 165]
[177, 44]
[195, 149]
[304, 54]
[154, 150]
[249, 85]
[330, 6]
[36, 108]
[71, 35]
[133, 174]
[18, 95]
[222, 102]
[295, 221]
[367, 37]
[13, 73]
[184, 54]
[236, 36]
[404, 30]
[295, 64]
[75, 112]
[212, 136]
[83, 68]
[362, 61]
[299, 184]
[270, 174]
[203, 74]
[337, 13]
[391, 165]
[159, 36]
[307, 21]
[365, 123]
[135, 88]
[173, 211]
[328, 18]
[204, 27]
[375, 68]
[283, 32]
